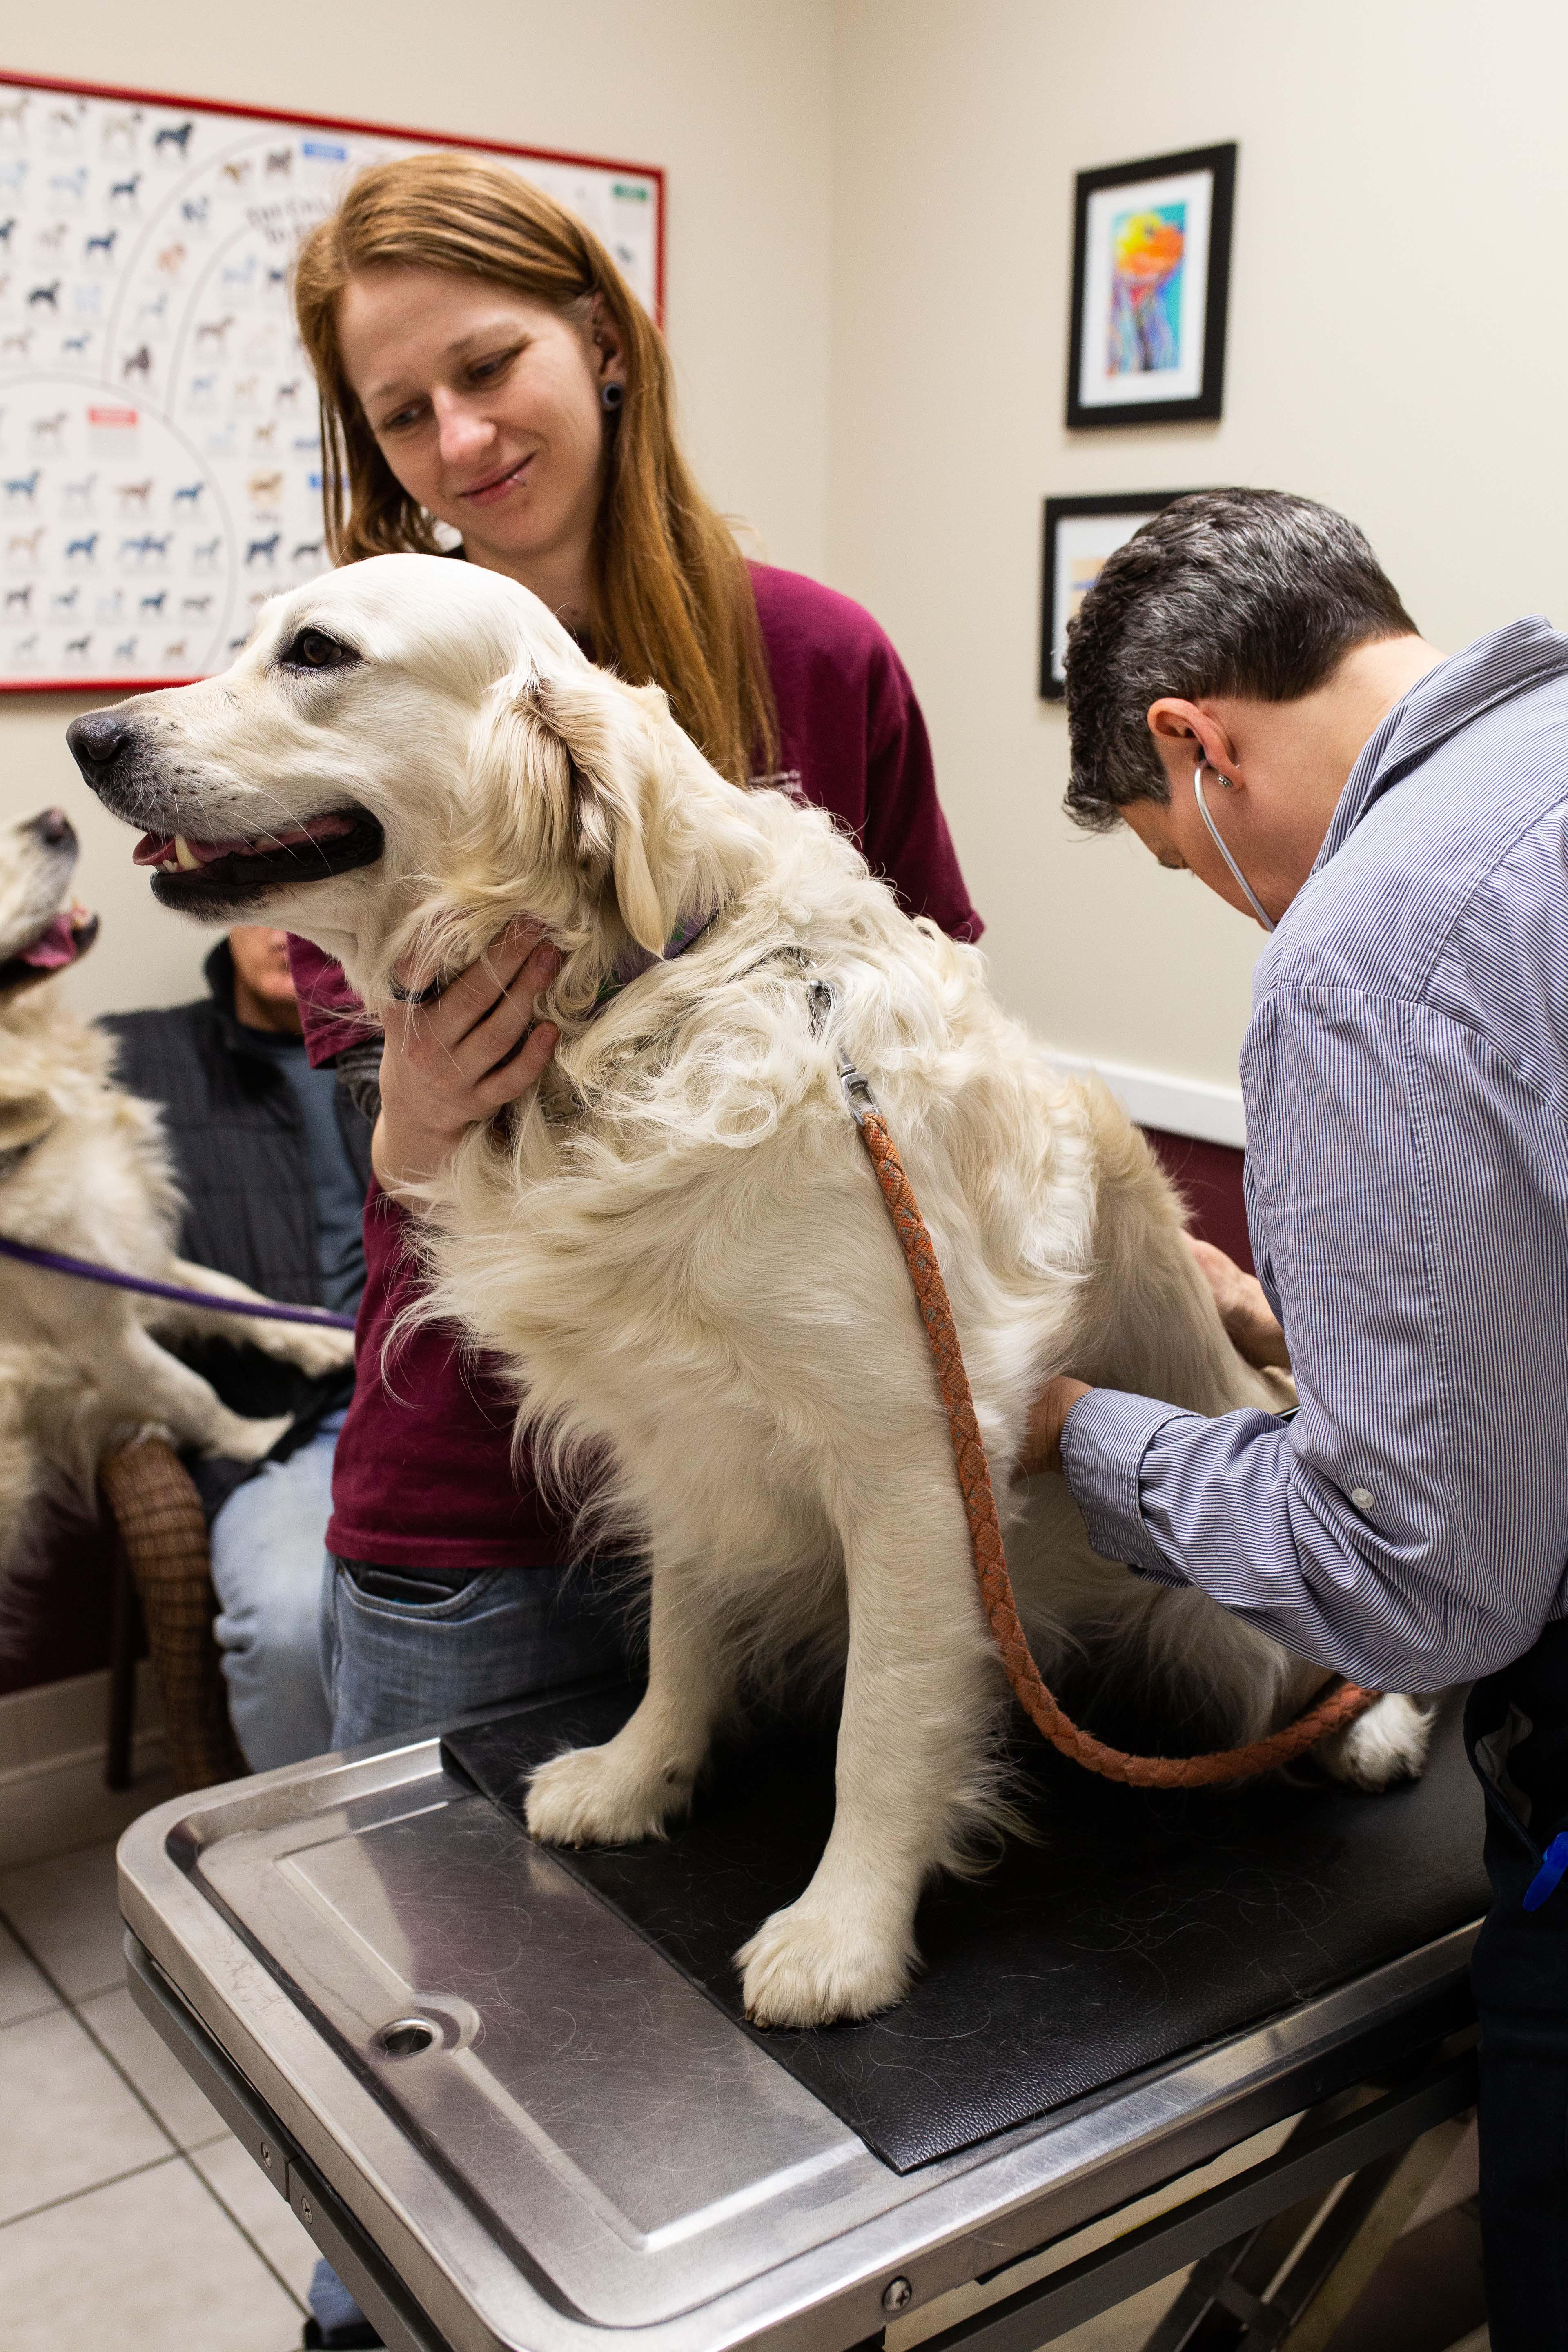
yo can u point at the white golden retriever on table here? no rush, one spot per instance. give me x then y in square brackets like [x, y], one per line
[678, 1241]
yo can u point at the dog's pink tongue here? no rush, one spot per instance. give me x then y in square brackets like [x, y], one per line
[158, 848]
[56, 948]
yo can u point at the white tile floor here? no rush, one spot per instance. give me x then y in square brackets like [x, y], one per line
[128, 2215]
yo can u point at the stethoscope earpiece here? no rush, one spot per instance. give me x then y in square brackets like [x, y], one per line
[1243, 884]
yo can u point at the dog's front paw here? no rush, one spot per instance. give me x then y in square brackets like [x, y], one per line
[811, 1964]
[316, 1348]
[239, 1440]
[596, 1796]
[1386, 1744]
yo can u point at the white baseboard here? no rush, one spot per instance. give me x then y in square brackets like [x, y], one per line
[48, 1809]
[1180, 1105]
[53, 1743]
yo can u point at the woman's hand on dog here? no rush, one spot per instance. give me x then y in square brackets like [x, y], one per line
[461, 1057]
[1251, 1324]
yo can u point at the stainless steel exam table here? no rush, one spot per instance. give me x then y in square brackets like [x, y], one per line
[509, 2118]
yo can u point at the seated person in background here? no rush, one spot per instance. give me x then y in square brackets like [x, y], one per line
[274, 1161]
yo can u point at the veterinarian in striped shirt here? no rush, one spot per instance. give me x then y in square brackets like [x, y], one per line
[1247, 692]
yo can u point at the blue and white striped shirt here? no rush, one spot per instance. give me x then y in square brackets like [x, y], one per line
[1405, 1080]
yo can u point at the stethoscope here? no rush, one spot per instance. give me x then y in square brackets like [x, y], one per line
[1252, 898]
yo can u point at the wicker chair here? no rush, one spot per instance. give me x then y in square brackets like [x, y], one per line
[161, 1570]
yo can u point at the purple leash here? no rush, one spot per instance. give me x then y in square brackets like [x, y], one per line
[55, 1262]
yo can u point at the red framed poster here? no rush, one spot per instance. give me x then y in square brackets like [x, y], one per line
[160, 459]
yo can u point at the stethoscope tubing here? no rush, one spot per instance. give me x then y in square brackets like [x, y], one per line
[1253, 900]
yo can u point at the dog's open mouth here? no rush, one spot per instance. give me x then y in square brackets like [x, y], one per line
[62, 941]
[191, 873]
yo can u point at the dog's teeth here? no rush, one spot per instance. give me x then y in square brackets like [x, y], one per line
[168, 867]
[187, 862]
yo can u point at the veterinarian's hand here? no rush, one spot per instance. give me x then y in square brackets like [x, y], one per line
[1043, 1439]
[1251, 1324]
[448, 1063]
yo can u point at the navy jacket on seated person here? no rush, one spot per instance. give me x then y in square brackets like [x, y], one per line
[274, 1161]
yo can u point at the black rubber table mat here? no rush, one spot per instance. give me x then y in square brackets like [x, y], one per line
[1143, 1923]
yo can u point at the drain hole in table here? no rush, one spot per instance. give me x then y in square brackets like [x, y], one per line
[406, 2036]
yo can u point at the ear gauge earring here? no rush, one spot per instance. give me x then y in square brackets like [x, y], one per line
[612, 395]
[1243, 884]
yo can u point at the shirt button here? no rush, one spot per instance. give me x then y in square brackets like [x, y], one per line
[1362, 1498]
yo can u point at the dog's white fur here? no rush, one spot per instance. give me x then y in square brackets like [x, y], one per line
[679, 1245]
[81, 1369]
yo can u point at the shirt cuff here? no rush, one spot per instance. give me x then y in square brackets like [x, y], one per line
[1104, 1440]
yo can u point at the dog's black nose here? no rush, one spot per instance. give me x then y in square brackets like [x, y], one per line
[54, 829]
[96, 740]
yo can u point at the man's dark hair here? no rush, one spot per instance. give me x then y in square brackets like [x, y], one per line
[1228, 592]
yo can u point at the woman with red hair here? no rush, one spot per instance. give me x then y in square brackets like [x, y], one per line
[490, 386]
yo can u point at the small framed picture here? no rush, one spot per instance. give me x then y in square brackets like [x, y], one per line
[1150, 270]
[1080, 533]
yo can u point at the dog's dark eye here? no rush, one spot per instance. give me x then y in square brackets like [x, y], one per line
[314, 649]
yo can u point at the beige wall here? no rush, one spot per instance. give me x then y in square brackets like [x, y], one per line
[1398, 346]
[731, 96]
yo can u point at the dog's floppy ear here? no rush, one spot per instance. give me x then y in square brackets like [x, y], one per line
[568, 774]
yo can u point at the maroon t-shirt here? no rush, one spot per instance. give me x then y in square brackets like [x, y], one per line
[423, 1472]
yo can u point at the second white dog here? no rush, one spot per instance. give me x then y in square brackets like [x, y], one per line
[85, 1172]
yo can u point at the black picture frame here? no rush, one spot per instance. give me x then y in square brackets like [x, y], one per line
[1113, 505]
[1205, 405]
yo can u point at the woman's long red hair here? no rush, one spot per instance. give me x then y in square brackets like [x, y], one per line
[673, 596]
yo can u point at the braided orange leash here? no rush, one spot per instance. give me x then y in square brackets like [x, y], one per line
[1341, 1706]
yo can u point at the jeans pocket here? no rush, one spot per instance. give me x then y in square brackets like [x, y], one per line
[504, 1635]
[415, 1594]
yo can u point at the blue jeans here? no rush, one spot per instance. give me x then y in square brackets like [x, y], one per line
[267, 1543]
[396, 1662]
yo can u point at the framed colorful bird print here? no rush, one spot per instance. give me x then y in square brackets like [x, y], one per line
[1151, 271]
